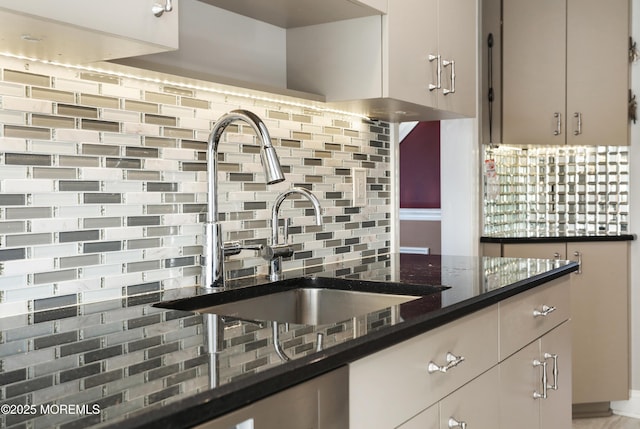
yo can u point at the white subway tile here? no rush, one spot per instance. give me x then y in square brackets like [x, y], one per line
[180, 112]
[123, 210]
[55, 199]
[121, 186]
[102, 270]
[74, 85]
[160, 164]
[27, 104]
[120, 115]
[14, 308]
[53, 225]
[121, 139]
[159, 275]
[121, 91]
[123, 280]
[98, 295]
[179, 219]
[200, 124]
[123, 256]
[11, 144]
[78, 211]
[55, 250]
[28, 185]
[13, 118]
[179, 154]
[59, 148]
[26, 266]
[140, 129]
[85, 136]
[15, 281]
[142, 197]
[97, 173]
[14, 89]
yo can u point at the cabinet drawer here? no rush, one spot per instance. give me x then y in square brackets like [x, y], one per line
[531, 314]
[387, 387]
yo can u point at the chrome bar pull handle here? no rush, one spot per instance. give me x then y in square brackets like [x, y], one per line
[578, 116]
[546, 310]
[578, 255]
[438, 83]
[453, 423]
[451, 64]
[558, 117]
[542, 395]
[553, 386]
[158, 9]
[452, 362]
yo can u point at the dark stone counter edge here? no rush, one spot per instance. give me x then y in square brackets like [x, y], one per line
[558, 239]
[208, 405]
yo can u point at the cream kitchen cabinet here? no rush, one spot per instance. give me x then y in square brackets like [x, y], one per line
[320, 403]
[535, 383]
[565, 75]
[81, 31]
[460, 372]
[416, 62]
[474, 405]
[600, 317]
[390, 386]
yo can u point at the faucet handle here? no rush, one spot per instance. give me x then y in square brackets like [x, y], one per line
[234, 247]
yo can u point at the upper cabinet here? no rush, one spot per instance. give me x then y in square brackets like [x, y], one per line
[81, 31]
[565, 72]
[300, 13]
[416, 62]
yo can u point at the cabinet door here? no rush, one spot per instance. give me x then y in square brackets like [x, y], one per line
[535, 250]
[475, 404]
[555, 411]
[534, 55]
[84, 31]
[428, 419]
[518, 381]
[597, 72]
[599, 311]
[413, 37]
[457, 40]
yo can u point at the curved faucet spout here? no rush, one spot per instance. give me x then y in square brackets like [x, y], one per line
[280, 199]
[213, 248]
[277, 249]
[270, 162]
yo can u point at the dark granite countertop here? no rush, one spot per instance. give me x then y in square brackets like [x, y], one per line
[553, 237]
[129, 363]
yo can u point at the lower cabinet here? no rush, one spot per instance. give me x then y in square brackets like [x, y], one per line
[535, 383]
[506, 366]
[599, 313]
[320, 403]
[474, 405]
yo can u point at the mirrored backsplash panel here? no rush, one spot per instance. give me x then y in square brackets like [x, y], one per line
[103, 183]
[556, 190]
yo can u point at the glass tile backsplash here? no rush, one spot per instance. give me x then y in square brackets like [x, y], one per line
[556, 190]
[103, 183]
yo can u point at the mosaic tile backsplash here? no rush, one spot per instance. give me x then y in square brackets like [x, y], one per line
[103, 184]
[556, 190]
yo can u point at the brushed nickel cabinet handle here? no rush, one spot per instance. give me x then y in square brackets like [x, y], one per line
[452, 64]
[578, 255]
[452, 362]
[158, 9]
[558, 117]
[438, 83]
[554, 371]
[453, 423]
[578, 130]
[543, 395]
[546, 310]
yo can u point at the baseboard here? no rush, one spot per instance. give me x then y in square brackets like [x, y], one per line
[420, 250]
[630, 408]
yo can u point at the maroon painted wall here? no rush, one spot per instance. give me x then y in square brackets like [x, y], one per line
[420, 167]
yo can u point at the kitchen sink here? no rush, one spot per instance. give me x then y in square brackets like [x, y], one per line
[305, 301]
[308, 306]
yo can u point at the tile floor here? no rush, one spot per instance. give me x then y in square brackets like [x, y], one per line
[613, 422]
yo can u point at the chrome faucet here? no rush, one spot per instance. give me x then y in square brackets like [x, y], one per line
[214, 249]
[277, 250]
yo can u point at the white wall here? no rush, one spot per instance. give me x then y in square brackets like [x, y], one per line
[459, 187]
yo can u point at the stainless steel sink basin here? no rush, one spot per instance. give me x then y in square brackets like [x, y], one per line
[310, 306]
